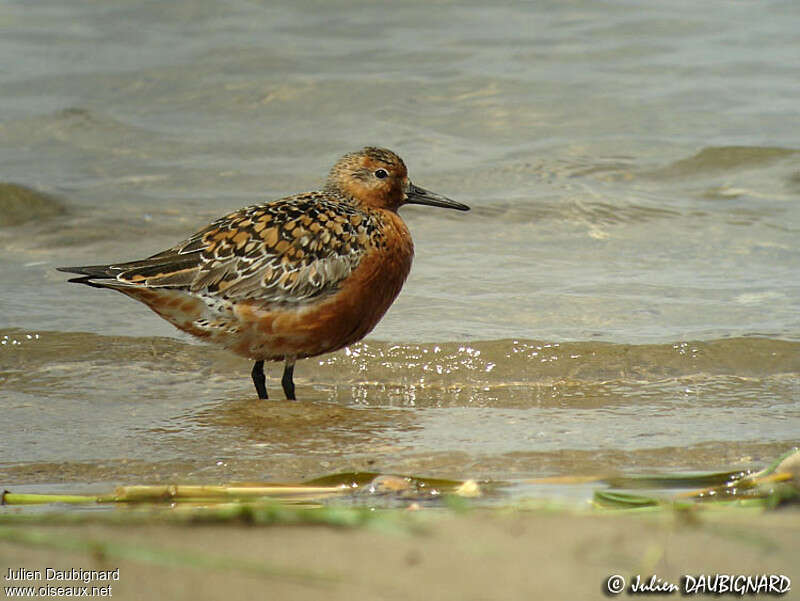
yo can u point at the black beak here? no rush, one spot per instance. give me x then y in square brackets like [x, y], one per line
[420, 196]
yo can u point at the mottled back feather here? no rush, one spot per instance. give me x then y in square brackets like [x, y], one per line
[285, 251]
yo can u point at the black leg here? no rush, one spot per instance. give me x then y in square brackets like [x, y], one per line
[260, 380]
[287, 380]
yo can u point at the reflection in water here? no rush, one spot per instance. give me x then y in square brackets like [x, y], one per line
[312, 427]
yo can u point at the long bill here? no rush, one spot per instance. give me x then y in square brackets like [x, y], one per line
[420, 196]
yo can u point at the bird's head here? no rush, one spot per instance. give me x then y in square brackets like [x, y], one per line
[377, 178]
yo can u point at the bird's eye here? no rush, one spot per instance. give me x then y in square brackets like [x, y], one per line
[381, 174]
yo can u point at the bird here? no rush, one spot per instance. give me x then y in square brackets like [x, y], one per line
[286, 279]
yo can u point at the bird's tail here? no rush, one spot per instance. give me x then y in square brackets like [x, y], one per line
[94, 275]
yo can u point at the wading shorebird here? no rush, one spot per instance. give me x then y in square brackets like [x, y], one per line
[288, 279]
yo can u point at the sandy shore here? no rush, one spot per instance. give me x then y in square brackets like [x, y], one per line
[434, 555]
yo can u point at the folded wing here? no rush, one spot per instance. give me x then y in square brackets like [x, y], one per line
[286, 251]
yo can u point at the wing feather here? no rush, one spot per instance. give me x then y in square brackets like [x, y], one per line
[285, 251]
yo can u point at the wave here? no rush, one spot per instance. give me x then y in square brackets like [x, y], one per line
[486, 362]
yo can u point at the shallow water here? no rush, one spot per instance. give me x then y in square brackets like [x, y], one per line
[624, 295]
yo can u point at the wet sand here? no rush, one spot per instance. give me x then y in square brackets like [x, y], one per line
[478, 555]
